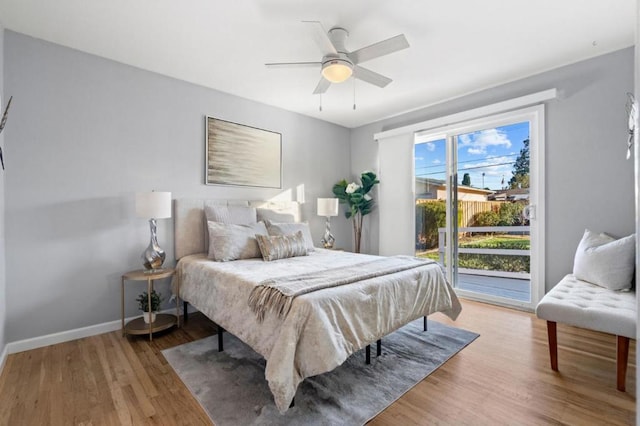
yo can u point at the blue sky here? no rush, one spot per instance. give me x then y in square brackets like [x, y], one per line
[490, 151]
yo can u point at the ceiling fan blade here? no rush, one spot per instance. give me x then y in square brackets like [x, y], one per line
[321, 37]
[381, 48]
[322, 86]
[294, 65]
[370, 76]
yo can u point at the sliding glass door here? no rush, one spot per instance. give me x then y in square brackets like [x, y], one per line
[477, 187]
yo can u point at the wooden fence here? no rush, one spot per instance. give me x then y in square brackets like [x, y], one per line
[467, 209]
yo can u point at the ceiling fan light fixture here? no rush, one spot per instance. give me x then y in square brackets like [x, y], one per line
[337, 70]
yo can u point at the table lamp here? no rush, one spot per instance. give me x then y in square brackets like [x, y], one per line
[328, 207]
[152, 206]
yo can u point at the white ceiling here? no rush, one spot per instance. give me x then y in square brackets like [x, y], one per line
[457, 47]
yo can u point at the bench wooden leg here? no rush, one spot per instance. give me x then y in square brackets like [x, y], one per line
[623, 358]
[553, 344]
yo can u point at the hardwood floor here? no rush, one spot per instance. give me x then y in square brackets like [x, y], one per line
[503, 377]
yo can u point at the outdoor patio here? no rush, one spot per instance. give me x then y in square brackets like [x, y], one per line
[511, 288]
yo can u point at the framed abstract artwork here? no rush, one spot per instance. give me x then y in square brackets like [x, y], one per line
[242, 155]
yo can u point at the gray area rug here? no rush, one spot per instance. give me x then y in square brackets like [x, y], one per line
[231, 387]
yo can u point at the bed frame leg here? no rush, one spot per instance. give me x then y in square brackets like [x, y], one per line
[367, 356]
[220, 343]
[379, 347]
[425, 323]
[293, 402]
[185, 312]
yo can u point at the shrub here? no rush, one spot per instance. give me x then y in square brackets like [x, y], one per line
[489, 218]
[493, 262]
[429, 217]
[499, 243]
[511, 214]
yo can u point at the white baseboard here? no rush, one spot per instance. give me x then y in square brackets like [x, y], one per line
[3, 358]
[65, 336]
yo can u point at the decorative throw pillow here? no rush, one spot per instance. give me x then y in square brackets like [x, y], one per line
[232, 242]
[232, 215]
[292, 228]
[602, 260]
[274, 247]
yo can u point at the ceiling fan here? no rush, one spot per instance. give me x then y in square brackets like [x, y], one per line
[338, 64]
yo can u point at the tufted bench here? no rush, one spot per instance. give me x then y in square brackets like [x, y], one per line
[582, 304]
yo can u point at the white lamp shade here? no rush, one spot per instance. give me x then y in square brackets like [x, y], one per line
[327, 207]
[153, 205]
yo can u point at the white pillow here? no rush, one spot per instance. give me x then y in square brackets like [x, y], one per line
[273, 215]
[232, 242]
[232, 215]
[602, 260]
[236, 215]
[292, 228]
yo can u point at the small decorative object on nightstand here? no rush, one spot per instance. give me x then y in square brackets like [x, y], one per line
[152, 206]
[328, 207]
[161, 321]
[149, 304]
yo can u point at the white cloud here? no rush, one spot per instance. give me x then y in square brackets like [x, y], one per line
[419, 158]
[478, 142]
[436, 161]
[431, 146]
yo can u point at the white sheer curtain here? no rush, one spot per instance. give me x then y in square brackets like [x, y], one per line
[396, 195]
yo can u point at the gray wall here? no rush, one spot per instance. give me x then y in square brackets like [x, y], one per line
[588, 182]
[3, 289]
[87, 133]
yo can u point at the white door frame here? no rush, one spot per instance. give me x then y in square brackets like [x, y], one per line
[535, 116]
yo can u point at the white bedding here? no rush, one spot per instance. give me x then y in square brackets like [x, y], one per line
[323, 327]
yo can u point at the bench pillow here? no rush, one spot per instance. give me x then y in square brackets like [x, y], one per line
[602, 260]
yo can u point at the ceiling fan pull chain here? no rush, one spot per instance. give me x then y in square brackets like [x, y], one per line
[354, 93]
[320, 109]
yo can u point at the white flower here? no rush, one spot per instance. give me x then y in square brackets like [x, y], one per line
[367, 197]
[352, 187]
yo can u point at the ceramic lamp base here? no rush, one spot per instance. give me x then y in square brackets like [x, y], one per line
[328, 240]
[153, 257]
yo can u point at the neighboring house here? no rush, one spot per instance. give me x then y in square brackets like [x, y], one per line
[515, 194]
[435, 189]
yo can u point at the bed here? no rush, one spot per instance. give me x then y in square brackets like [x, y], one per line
[321, 328]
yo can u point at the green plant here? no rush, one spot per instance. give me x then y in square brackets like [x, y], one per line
[511, 214]
[488, 218]
[359, 202]
[429, 217]
[143, 301]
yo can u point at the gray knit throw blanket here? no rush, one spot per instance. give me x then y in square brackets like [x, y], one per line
[276, 294]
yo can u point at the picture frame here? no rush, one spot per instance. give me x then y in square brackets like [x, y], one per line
[240, 155]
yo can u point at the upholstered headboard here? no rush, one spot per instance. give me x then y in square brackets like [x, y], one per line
[190, 223]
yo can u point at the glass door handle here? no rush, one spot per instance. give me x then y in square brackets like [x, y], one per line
[529, 212]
